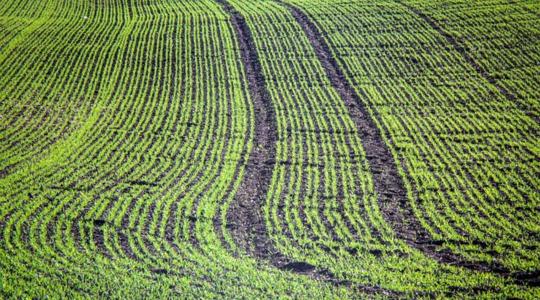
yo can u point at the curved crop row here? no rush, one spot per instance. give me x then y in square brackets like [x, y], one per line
[43, 99]
[467, 152]
[125, 203]
[501, 40]
[322, 211]
[291, 149]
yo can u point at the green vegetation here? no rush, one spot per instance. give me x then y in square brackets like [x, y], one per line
[469, 152]
[127, 129]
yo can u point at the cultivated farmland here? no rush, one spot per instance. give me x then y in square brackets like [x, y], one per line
[269, 149]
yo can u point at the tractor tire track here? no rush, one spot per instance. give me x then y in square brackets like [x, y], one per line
[248, 228]
[244, 217]
[388, 183]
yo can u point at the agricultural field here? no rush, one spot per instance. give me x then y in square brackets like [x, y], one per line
[255, 149]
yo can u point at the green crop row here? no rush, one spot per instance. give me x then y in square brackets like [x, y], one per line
[123, 204]
[126, 129]
[321, 207]
[468, 152]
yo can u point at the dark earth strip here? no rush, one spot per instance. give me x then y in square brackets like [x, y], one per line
[244, 217]
[463, 52]
[528, 278]
[387, 181]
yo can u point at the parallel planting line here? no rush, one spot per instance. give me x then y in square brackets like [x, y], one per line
[132, 197]
[247, 148]
[526, 278]
[245, 218]
[463, 52]
[246, 211]
[387, 181]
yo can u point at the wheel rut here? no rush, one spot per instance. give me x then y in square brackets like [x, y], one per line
[244, 218]
[388, 182]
